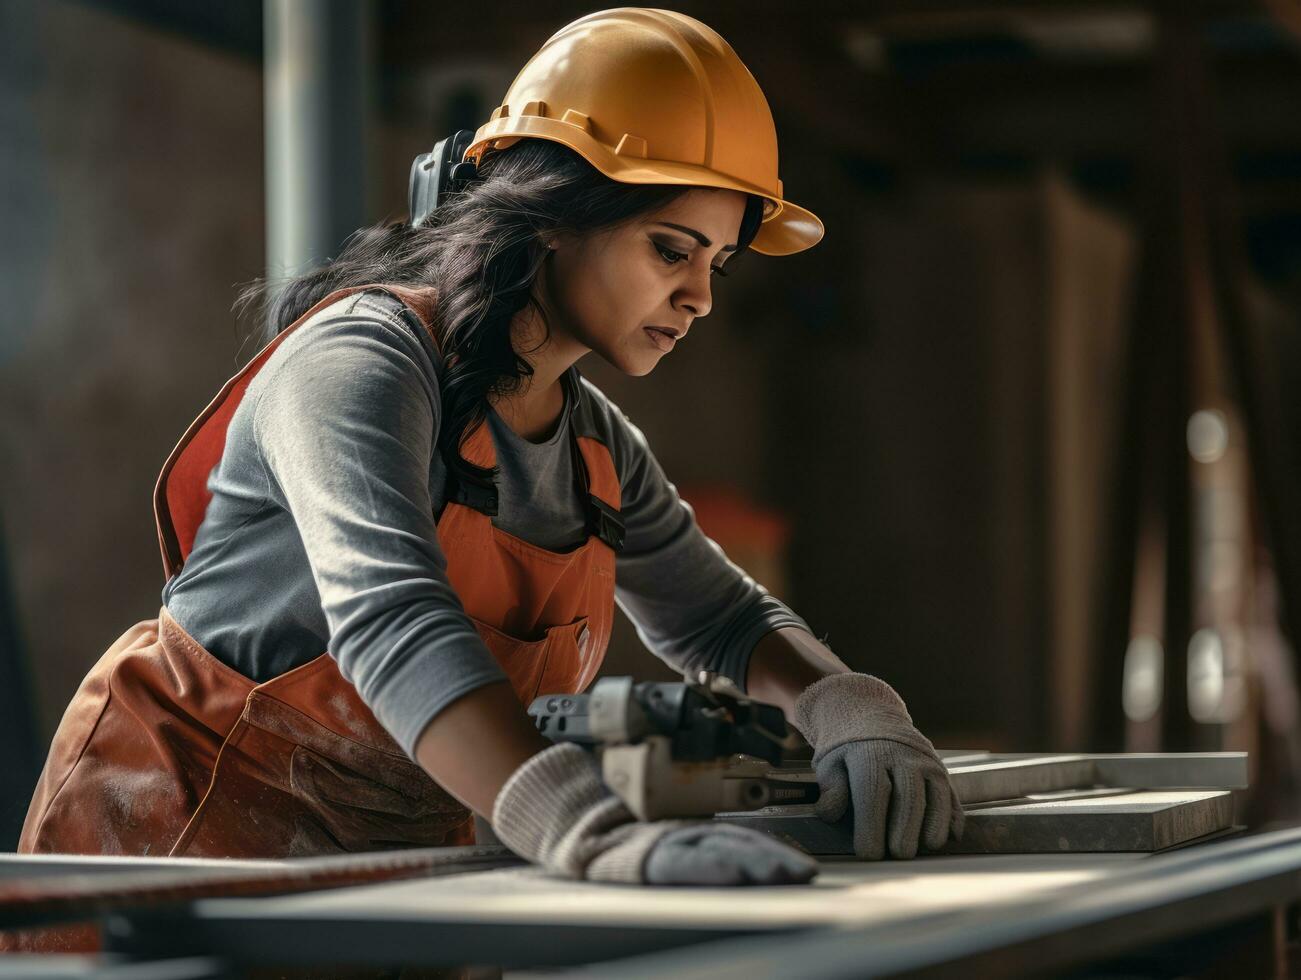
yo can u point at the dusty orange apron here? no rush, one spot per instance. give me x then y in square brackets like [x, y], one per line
[166, 750]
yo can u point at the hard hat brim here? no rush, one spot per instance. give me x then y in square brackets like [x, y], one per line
[788, 229]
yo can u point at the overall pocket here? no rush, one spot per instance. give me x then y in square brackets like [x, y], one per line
[362, 813]
[542, 666]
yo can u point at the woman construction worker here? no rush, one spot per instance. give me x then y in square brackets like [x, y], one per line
[409, 515]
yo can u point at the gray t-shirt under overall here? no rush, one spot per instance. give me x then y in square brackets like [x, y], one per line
[321, 531]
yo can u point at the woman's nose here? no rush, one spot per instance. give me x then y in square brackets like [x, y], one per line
[696, 294]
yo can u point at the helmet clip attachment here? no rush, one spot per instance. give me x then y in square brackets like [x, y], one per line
[439, 173]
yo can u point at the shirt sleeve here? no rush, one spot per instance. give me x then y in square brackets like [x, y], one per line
[692, 607]
[346, 420]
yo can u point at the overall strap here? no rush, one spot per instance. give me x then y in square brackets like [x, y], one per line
[595, 479]
[595, 476]
[477, 450]
[604, 519]
[181, 496]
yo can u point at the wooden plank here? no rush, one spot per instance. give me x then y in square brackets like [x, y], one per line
[1011, 776]
[1089, 821]
[1173, 770]
[1014, 778]
[1143, 821]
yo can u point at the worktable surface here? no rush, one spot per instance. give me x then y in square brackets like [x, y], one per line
[519, 917]
[845, 893]
[857, 919]
[986, 915]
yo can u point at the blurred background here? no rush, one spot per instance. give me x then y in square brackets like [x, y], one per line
[1022, 435]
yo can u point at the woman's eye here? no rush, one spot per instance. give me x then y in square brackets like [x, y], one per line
[672, 257]
[669, 255]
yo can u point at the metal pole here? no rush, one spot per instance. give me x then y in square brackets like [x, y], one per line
[317, 90]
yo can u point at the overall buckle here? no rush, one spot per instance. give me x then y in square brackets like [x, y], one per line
[480, 496]
[605, 522]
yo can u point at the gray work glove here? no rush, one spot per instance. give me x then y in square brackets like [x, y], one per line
[555, 811]
[868, 755]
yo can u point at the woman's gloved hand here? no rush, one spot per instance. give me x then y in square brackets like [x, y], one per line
[869, 756]
[555, 811]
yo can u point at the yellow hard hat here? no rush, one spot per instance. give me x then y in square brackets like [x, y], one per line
[653, 97]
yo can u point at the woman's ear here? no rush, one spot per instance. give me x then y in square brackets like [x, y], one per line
[559, 238]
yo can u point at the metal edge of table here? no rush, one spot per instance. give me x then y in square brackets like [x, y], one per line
[45, 890]
[1160, 898]
[57, 966]
[421, 940]
[245, 929]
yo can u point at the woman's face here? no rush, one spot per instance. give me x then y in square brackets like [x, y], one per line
[632, 292]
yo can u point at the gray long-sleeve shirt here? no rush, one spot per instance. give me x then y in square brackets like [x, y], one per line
[321, 531]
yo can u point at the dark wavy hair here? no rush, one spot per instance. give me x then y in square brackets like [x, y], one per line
[481, 250]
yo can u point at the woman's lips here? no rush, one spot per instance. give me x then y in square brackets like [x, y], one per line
[660, 339]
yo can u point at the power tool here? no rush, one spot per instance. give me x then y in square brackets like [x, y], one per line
[702, 748]
[690, 749]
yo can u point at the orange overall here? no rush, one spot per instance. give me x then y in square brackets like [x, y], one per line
[165, 750]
